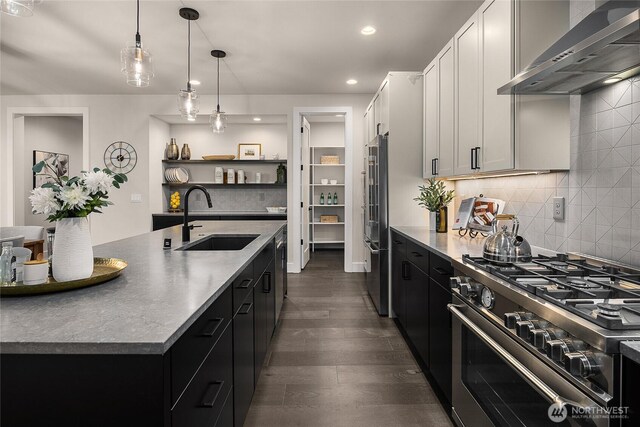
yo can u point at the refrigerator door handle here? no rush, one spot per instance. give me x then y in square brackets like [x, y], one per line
[373, 251]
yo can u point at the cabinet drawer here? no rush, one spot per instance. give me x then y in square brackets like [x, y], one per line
[242, 285]
[193, 346]
[398, 244]
[204, 398]
[225, 419]
[264, 258]
[440, 269]
[418, 256]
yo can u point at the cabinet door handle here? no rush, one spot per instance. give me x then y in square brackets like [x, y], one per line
[250, 304]
[433, 166]
[244, 284]
[405, 270]
[211, 395]
[437, 161]
[266, 275]
[441, 271]
[378, 128]
[473, 159]
[416, 254]
[477, 158]
[212, 327]
[397, 242]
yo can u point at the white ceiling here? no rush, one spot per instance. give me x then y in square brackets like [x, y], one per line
[274, 47]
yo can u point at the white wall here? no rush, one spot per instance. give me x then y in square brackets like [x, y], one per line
[127, 118]
[328, 134]
[56, 134]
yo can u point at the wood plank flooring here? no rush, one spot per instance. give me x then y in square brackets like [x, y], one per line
[335, 362]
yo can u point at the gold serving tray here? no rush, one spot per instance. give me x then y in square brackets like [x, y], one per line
[104, 269]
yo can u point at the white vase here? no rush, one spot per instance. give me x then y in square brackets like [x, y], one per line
[72, 250]
[432, 221]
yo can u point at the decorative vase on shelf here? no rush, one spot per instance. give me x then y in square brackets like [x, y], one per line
[432, 220]
[72, 250]
[441, 220]
[172, 151]
[185, 154]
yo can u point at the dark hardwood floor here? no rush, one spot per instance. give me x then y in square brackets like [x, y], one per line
[335, 362]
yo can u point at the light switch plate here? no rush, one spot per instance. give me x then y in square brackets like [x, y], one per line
[136, 198]
[558, 208]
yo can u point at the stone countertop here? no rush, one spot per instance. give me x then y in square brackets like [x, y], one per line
[143, 311]
[451, 245]
[222, 213]
[631, 349]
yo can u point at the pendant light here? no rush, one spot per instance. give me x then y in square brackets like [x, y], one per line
[136, 61]
[23, 8]
[218, 118]
[188, 101]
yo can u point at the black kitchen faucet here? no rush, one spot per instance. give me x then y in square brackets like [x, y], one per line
[186, 228]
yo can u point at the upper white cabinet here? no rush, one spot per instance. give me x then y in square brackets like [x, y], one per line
[492, 132]
[467, 138]
[384, 106]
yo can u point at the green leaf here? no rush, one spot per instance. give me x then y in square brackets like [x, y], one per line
[96, 169]
[118, 177]
[37, 168]
[115, 184]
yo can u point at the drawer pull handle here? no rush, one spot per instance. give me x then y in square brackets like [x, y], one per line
[397, 242]
[212, 327]
[244, 284]
[247, 310]
[416, 254]
[211, 395]
[441, 271]
[267, 277]
[405, 270]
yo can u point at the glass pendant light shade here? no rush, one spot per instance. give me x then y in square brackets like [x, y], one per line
[218, 120]
[137, 65]
[22, 8]
[188, 104]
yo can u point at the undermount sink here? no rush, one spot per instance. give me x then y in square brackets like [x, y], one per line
[221, 243]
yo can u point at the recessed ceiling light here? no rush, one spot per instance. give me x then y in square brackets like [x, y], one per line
[195, 82]
[612, 80]
[257, 119]
[368, 30]
[352, 82]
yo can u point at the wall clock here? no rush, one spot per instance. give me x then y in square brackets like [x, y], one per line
[120, 157]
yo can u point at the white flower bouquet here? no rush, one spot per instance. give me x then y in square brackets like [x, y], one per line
[75, 197]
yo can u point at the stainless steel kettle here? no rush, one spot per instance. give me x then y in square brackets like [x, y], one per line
[504, 246]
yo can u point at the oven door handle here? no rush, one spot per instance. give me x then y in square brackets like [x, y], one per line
[536, 382]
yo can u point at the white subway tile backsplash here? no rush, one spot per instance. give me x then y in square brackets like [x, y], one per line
[601, 191]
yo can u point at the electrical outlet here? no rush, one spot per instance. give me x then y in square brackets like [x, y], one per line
[136, 198]
[558, 208]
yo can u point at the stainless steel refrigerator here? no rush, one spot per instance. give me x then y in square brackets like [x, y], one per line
[376, 221]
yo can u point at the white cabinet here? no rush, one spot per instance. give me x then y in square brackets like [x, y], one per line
[370, 124]
[496, 67]
[446, 115]
[431, 142]
[478, 131]
[467, 97]
[384, 109]
[377, 114]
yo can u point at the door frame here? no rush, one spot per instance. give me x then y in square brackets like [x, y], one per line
[296, 219]
[7, 215]
[304, 124]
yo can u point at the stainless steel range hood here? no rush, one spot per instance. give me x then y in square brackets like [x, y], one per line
[604, 45]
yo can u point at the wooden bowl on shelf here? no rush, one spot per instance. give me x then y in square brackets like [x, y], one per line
[219, 157]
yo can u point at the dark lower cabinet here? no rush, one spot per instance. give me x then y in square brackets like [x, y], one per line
[160, 221]
[225, 419]
[440, 336]
[243, 359]
[417, 311]
[265, 306]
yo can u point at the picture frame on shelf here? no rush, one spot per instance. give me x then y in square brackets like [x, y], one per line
[57, 162]
[249, 151]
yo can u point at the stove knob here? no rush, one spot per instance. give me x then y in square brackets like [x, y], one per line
[510, 319]
[524, 328]
[556, 349]
[467, 290]
[455, 282]
[580, 364]
[539, 337]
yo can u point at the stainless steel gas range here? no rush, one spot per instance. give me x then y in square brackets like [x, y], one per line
[537, 343]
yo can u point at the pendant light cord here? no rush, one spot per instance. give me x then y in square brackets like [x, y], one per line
[138, 42]
[218, 108]
[189, 57]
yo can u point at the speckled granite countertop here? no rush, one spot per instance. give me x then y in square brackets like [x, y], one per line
[146, 309]
[451, 245]
[631, 349]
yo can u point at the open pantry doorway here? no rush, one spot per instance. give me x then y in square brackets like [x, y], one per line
[322, 187]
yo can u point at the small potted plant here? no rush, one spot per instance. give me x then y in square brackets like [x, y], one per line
[434, 197]
[68, 202]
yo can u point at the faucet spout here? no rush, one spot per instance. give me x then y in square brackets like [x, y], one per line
[186, 229]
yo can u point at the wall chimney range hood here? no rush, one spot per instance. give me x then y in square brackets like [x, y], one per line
[604, 46]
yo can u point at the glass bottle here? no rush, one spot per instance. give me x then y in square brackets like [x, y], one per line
[7, 264]
[335, 198]
[329, 198]
[322, 198]
[441, 220]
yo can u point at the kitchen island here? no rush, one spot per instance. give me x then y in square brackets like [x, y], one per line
[155, 346]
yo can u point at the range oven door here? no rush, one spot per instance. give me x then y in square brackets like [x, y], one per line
[497, 382]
